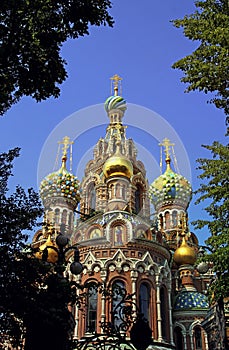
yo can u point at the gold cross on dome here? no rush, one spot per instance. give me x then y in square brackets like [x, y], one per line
[66, 143]
[116, 80]
[167, 145]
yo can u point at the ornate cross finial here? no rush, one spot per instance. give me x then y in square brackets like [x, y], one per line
[117, 82]
[66, 143]
[167, 145]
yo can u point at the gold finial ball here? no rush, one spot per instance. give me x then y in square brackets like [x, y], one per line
[118, 165]
[52, 255]
[184, 255]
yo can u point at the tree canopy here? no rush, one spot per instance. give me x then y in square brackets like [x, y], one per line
[207, 68]
[31, 35]
[215, 189]
[33, 297]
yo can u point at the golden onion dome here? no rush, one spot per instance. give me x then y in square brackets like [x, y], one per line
[184, 255]
[118, 165]
[52, 255]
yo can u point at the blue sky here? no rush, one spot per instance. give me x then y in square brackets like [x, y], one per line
[141, 47]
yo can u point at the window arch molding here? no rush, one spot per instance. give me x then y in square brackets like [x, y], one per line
[197, 325]
[179, 337]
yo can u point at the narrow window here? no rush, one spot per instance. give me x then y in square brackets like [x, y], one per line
[198, 338]
[138, 199]
[174, 218]
[167, 220]
[161, 221]
[92, 308]
[178, 338]
[64, 217]
[144, 300]
[118, 294]
[57, 216]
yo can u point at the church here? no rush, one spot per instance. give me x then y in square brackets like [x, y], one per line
[148, 260]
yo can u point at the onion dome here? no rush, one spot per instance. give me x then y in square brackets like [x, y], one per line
[52, 254]
[170, 188]
[187, 300]
[60, 184]
[184, 255]
[115, 102]
[118, 165]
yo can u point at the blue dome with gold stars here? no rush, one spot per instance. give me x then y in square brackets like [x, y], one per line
[190, 300]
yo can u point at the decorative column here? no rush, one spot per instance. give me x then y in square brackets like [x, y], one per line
[103, 275]
[76, 316]
[184, 333]
[170, 316]
[134, 276]
[158, 302]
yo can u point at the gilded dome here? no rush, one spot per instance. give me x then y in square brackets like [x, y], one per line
[118, 165]
[52, 255]
[115, 102]
[184, 255]
[170, 188]
[60, 184]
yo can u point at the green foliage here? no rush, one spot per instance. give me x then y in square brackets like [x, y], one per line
[34, 298]
[207, 68]
[18, 212]
[31, 35]
[215, 189]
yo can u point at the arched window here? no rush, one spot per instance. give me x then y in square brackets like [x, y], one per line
[118, 191]
[161, 221]
[198, 338]
[144, 300]
[64, 217]
[178, 338]
[174, 218]
[138, 199]
[118, 293]
[164, 311]
[167, 220]
[57, 216]
[92, 301]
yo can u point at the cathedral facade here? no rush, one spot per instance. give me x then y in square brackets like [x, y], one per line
[153, 260]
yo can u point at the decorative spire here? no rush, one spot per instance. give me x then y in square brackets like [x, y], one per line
[167, 147]
[66, 143]
[116, 81]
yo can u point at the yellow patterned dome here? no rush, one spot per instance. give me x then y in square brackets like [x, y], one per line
[118, 165]
[60, 184]
[52, 255]
[170, 188]
[184, 255]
